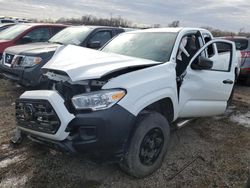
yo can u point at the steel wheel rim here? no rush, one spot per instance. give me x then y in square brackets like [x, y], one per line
[151, 146]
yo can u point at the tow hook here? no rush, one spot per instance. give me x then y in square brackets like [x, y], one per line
[17, 138]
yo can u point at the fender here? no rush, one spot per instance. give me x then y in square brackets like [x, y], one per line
[146, 86]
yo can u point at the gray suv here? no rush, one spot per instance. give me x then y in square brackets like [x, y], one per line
[243, 44]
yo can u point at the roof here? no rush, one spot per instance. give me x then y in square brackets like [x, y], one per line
[167, 29]
[92, 27]
[41, 24]
[99, 26]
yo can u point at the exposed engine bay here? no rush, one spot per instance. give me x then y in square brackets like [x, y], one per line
[62, 83]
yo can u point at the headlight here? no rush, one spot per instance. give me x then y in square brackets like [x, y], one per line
[98, 100]
[30, 61]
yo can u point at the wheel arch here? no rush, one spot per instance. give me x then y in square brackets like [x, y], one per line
[164, 107]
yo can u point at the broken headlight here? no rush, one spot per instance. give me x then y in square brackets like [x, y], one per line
[98, 100]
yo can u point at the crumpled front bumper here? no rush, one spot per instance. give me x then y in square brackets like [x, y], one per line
[84, 131]
[56, 102]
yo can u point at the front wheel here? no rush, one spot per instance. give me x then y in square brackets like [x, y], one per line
[148, 145]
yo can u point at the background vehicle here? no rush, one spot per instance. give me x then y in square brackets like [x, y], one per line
[24, 33]
[23, 63]
[5, 26]
[243, 44]
[121, 100]
[4, 19]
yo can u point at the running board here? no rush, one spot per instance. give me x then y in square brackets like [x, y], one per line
[183, 123]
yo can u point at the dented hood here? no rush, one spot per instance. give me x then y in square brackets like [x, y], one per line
[83, 63]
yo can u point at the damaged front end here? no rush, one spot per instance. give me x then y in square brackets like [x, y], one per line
[76, 112]
[62, 83]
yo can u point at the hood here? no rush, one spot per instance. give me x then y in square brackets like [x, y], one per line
[82, 63]
[33, 48]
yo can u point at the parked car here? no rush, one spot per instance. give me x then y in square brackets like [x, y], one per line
[5, 26]
[243, 45]
[24, 33]
[4, 19]
[122, 100]
[23, 63]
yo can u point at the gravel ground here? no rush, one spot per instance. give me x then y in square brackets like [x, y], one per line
[210, 152]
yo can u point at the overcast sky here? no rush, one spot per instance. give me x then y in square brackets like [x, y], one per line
[229, 15]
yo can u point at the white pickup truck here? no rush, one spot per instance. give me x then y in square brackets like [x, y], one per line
[123, 99]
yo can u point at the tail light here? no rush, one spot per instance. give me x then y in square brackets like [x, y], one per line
[245, 54]
[246, 69]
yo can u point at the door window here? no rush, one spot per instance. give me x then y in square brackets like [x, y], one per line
[38, 35]
[56, 30]
[210, 50]
[7, 21]
[189, 45]
[101, 36]
[222, 58]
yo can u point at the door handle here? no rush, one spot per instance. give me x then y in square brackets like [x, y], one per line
[228, 81]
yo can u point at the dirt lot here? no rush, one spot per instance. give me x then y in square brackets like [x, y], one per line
[210, 152]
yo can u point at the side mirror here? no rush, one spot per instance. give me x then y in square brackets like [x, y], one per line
[94, 44]
[25, 40]
[203, 63]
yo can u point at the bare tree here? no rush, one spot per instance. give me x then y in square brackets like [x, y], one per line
[218, 32]
[156, 25]
[174, 24]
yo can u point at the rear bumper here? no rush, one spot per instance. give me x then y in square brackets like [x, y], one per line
[106, 131]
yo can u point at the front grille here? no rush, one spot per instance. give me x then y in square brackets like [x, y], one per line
[37, 115]
[8, 58]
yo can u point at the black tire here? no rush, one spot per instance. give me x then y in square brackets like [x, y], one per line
[230, 100]
[248, 81]
[148, 145]
[248, 182]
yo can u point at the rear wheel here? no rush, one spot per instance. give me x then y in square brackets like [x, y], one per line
[148, 145]
[230, 100]
[248, 81]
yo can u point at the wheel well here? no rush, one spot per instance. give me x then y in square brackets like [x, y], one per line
[164, 107]
[236, 73]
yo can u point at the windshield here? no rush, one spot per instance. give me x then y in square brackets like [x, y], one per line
[241, 44]
[12, 32]
[152, 46]
[71, 35]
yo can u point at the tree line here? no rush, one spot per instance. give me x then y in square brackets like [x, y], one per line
[92, 20]
[121, 22]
